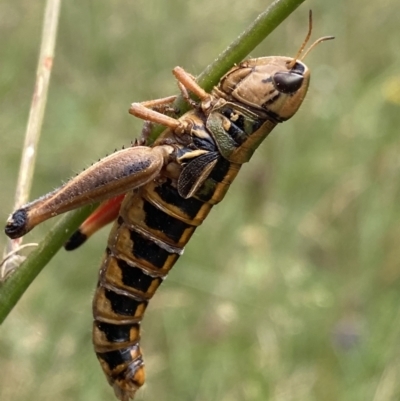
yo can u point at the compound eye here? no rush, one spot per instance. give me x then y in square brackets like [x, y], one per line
[287, 82]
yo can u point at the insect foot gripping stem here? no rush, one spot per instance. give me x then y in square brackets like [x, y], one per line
[115, 174]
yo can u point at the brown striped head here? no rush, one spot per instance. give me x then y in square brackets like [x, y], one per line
[276, 85]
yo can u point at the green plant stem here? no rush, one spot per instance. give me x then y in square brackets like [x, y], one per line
[13, 288]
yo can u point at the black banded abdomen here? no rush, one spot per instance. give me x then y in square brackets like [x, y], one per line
[154, 225]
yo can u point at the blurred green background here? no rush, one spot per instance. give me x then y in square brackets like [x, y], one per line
[291, 288]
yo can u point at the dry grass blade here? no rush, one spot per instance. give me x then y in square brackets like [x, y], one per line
[35, 121]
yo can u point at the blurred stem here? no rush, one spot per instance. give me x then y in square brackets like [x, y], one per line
[265, 23]
[35, 121]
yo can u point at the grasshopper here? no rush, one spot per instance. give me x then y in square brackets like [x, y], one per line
[158, 195]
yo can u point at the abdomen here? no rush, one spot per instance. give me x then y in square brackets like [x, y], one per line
[154, 225]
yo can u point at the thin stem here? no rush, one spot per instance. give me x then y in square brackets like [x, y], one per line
[15, 286]
[35, 121]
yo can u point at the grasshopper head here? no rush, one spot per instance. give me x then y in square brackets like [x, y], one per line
[276, 85]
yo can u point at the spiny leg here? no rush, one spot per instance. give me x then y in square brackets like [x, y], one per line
[114, 175]
[108, 210]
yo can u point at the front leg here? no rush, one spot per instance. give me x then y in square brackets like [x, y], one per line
[163, 106]
[187, 82]
[145, 111]
[115, 174]
[150, 110]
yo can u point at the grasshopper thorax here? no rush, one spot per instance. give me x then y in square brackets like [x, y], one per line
[274, 85]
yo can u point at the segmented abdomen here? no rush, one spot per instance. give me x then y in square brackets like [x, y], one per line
[154, 225]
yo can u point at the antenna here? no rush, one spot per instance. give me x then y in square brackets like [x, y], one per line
[292, 63]
[323, 39]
